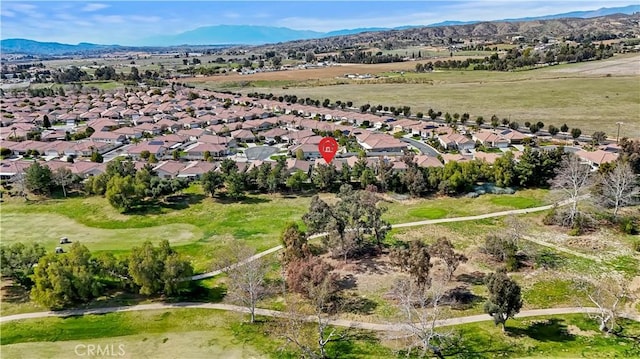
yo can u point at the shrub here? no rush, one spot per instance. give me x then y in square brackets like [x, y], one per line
[628, 225]
[636, 246]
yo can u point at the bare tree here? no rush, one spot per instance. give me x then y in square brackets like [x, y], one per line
[420, 307]
[516, 228]
[608, 293]
[619, 187]
[443, 249]
[63, 177]
[247, 284]
[312, 341]
[572, 181]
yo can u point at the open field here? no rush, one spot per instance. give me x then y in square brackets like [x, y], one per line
[592, 96]
[163, 334]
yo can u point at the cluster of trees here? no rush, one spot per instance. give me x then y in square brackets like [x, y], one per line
[125, 187]
[614, 186]
[353, 225]
[362, 57]
[60, 280]
[517, 58]
[534, 169]
[39, 179]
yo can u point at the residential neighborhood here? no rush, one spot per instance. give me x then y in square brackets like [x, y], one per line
[181, 133]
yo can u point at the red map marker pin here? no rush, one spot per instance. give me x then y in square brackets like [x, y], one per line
[328, 148]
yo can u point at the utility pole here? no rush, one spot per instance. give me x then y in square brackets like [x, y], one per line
[618, 135]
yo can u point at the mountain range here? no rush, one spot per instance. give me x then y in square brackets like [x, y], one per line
[256, 35]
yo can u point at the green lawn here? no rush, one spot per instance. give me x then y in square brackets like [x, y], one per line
[184, 333]
[211, 333]
[568, 336]
[446, 207]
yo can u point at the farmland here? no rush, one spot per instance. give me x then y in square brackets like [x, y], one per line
[590, 96]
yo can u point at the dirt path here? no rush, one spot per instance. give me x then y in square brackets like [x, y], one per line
[277, 314]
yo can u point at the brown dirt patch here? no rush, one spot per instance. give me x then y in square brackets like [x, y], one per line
[574, 330]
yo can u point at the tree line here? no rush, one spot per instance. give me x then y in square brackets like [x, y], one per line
[62, 280]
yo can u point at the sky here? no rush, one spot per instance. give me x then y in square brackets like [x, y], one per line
[128, 22]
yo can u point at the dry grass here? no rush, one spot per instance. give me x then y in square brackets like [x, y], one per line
[592, 96]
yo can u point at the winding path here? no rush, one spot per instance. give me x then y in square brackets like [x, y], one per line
[399, 225]
[274, 313]
[336, 322]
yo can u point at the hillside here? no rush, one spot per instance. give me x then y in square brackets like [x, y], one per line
[598, 27]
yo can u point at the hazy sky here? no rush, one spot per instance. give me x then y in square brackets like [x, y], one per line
[126, 22]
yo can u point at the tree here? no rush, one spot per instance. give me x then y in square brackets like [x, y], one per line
[504, 298]
[297, 180]
[96, 157]
[65, 279]
[17, 261]
[553, 130]
[63, 177]
[564, 127]
[420, 308]
[599, 137]
[158, 270]
[619, 187]
[608, 293]
[121, 193]
[46, 123]
[295, 244]
[479, 121]
[38, 178]
[211, 181]
[304, 275]
[575, 133]
[234, 183]
[443, 249]
[323, 176]
[322, 296]
[247, 276]
[415, 259]
[504, 170]
[572, 181]
[631, 153]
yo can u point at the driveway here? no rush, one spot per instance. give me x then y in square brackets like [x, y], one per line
[260, 153]
[421, 146]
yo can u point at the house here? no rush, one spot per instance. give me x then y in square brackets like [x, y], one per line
[451, 157]
[596, 158]
[129, 132]
[427, 161]
[169, 169]
[219, 140]
[195, 169]
[295, 165]
[108, 137]
[197, 151]
[490, 139]
[310, 150]
[514, 137]
[274, 135]
[243, 135]
[156, 148]
[489, 158]
[456, 141]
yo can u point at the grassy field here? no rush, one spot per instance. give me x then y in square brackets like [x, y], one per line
[167, 334]
[591, 96]
[184, 333]
[446, 207]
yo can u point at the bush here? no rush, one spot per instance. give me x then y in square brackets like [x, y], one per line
[628, 225]
[636, 246]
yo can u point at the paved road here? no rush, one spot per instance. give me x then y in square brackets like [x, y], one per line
[424, 148]
[274, 313]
